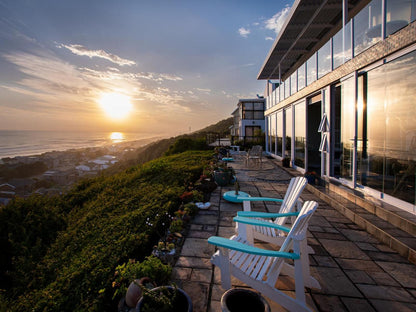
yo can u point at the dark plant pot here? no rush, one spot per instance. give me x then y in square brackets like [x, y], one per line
[239, 299]
[222, 178]
[183, 302]
[286, 162]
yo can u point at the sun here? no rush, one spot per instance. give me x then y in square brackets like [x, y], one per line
[116, 105]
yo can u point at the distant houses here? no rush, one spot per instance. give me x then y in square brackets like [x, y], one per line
[248, 119]
[7, 193]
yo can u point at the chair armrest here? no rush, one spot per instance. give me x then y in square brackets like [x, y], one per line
[254, 214]
[234, 245]
[256, 222]
[260, 199]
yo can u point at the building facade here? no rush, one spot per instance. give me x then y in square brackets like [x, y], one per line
[249, 119]
[346, 104]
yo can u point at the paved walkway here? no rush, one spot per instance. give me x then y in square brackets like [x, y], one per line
[356, 271]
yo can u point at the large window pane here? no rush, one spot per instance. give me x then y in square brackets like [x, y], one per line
[272, 128]
[311, 70]
[301, 77]
[337, 49]
[293, 83]
[288, 133]
[287, 88]
[399, 13]
[258, 115]
[386, 129]
[300, 134]
[367, 26]
[347, 131]
[324, 59]
[279, 132]
[282, 91]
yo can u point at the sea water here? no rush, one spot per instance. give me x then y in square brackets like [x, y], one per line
[25, 143]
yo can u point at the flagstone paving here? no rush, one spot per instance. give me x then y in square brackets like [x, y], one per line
[356, 271]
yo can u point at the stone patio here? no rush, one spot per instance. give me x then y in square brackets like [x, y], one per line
[356, 271]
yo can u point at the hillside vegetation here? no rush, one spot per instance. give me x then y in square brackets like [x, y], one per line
[59, 254]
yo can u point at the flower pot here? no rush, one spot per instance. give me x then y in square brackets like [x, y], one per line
[222, 178]
[134, 292]
[239, 299]
[183, 302]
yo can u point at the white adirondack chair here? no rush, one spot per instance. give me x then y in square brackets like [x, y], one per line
[260, 268]
[289, 204]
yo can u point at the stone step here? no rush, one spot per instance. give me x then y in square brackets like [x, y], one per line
[391, 225]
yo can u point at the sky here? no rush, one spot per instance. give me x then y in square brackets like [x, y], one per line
[168, 67]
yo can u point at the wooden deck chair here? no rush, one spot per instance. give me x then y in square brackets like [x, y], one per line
[289, 207]
[260, 268]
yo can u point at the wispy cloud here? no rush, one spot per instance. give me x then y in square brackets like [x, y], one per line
[244, 32]
[55, 85]
[83, 51]
[278, 20]
[269, 38]
[203, 90]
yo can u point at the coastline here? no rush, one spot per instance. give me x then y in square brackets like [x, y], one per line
[53, 172]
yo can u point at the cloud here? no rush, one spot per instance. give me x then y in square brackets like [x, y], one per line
[278, 20]
[81, 50]
[244, 32]
[204, 90]
[269, 38]
[55, 85]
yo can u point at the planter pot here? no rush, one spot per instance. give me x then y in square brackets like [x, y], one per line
[134, 292]
[222, 178]
[239, 299]
[183, 302]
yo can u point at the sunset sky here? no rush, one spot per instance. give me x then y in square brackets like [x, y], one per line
[169, 66]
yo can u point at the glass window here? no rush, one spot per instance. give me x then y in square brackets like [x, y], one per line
[367, 27]
[347, 131]
[399, 13]
[248, 106]
[301, 77]
[337, 50]
[324, 59]
[311, 70]
[258, 115]
[279, 132]
[300, 135]
[282, 92]
[278, 94]
[288, 133]
[248, 115]
[293, 83]
[258, 106]
[347, 41]
[287, 87]
[387, 155]
[272, 136]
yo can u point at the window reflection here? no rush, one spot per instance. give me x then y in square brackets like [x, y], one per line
[279, 132]
[301, 77]
[311, 70]
[367, 26]
[288, 133]
[300, 133]
[324, 60]
[391, 130]
[399, 13]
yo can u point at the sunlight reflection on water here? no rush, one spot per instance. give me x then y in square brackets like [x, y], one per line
[117, 137]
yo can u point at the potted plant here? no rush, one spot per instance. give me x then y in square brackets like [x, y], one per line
[164, 299]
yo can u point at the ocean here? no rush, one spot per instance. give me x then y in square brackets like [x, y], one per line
[25, 143]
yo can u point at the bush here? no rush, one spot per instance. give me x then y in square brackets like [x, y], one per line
[61, 253]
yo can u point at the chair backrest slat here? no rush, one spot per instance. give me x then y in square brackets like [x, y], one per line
[292, 195]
